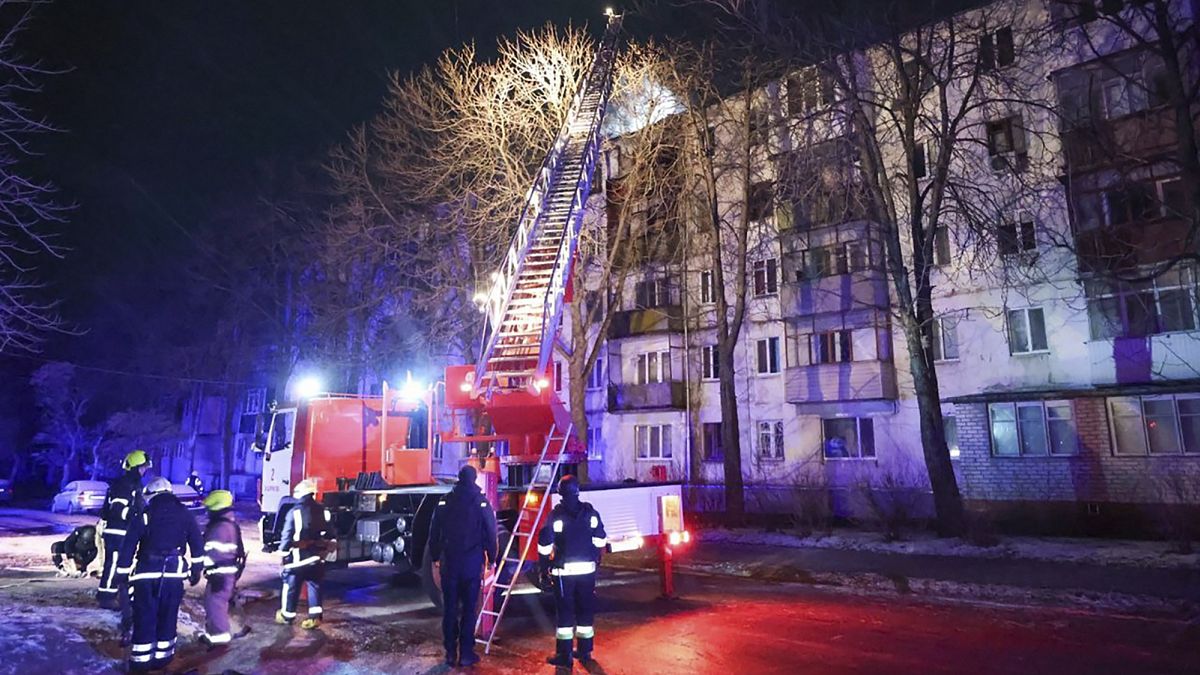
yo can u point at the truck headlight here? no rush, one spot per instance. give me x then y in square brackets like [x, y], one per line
[401, 523]
[398, 545]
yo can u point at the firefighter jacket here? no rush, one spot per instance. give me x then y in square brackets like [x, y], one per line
[123, 503]
[224, 552]
[306, 534]
[572, 538]
[160, 541]
[463, 531]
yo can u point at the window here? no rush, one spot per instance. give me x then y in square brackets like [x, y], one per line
[1016, 236]
[1027, 331]
[596, 379]
[760, 127]
[945, 339]
[767, 352]
[758, 202]
[1163, 305]
[248, 423]
[848, 438]
[595, 441]
[713, 452]
[950, 429]
[809, 93]
[924, 157]
[1172, 198]
[593, 306]
[652, 293]
[835, 259]
[1032, 428]
[1156, 425]
[708, 289]
[558, 376]
[917, 76]
[256, 401]
[653, 441]
[1123, 95]
[941, 246]
[831, 347]
[1005, 140]
[654, 367]
[996, 49]
[710, 369]
[766, 277]
[770, 439]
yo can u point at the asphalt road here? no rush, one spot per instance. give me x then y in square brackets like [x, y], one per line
[376, 623]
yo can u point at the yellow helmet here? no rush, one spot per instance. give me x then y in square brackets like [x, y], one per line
[218, 500]
[135, 460]
[305, 487]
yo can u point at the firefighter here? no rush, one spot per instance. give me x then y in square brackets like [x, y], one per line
[155, 555]
[304, 543]
[570, 544]
[122, 505]
[73, 555]
[224, 560]
[194, 482]
[461, 533]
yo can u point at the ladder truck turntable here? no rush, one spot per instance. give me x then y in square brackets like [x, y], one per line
[371, 455]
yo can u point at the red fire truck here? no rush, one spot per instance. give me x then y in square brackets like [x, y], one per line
[370, 456]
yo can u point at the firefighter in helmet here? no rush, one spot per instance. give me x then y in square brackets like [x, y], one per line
[304, 542]
[122, 506]
[73, 555]
[194, 482]
[155, 555]
[570, 544]
[224, 560]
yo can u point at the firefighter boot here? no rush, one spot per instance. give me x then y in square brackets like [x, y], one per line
[281, 619]
[311, 623]
[562, 655]
[584, 650]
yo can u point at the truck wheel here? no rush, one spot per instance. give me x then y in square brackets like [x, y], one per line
[431, 582]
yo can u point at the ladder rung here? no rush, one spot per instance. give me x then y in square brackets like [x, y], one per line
[504, 586]
[490, 612]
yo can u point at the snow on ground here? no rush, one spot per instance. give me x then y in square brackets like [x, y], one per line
[1149, 554]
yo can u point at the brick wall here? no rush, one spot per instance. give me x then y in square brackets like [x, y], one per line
[1095, 474]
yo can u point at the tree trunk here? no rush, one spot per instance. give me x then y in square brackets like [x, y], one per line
[577, 382]
[227, 435]
[735, 495]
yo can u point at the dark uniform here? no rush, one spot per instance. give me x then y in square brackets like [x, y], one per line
[570, 544]
[73, 555]
[224, 558]
[161, 541]
[304, 542]
[461, 534]
[122, 506]
[194, 482]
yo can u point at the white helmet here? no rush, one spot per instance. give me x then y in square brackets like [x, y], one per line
[305, 487]
[158, 486]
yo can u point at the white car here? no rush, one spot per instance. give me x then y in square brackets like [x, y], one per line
[189, 497]
[80, 496]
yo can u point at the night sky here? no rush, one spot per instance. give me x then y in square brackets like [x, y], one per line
[170, 108]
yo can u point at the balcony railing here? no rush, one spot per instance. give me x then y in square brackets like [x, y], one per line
[664, 319]
[836, 293]
[652, 396]
[835, 382]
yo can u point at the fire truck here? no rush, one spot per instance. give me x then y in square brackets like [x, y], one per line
[371, 456]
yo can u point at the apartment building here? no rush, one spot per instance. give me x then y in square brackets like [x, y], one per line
[1068, 396]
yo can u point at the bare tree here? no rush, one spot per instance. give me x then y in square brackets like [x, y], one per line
[26, 205]
[941, 114]
[65, 432]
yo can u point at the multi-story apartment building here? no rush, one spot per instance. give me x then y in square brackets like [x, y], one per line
[1066, 393]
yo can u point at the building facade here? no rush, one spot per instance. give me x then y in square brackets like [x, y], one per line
[1068, 394]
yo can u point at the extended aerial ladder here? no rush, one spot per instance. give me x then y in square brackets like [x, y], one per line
[510, 382]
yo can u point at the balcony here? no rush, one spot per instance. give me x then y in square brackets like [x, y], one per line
[666, 319]
[653, 396]
[836, 293]
[1137, 136]
[855, 381]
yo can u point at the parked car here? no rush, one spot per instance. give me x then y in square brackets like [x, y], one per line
[80, 496]
[190, 498]
[5, 490]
